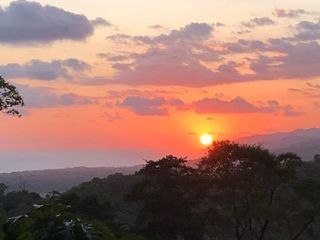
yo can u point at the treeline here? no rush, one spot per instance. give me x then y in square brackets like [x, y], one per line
[240, 192]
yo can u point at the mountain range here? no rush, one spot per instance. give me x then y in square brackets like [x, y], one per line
[44, 181]
[304, 142]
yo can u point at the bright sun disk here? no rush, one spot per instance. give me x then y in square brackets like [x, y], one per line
[206, 139]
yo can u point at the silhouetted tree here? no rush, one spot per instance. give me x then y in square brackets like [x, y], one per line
[9, 98]
[253, 194]
[168, 200]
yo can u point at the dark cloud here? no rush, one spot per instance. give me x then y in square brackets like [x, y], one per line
[157, 106]
[288, 13]
[29, 22]
[37, 69]
[40, 97]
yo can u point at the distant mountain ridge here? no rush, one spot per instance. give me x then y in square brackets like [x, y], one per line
[304, 142]
[43, 181]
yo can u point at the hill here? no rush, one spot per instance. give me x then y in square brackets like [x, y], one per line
[43, 181]
[304, 142]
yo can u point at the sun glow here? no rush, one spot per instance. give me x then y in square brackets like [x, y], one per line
[206, 139]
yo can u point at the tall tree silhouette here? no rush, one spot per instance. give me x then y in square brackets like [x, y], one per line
[9, 98]
[254, 194]
[168, 200]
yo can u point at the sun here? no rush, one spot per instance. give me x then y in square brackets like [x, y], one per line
[206, 139]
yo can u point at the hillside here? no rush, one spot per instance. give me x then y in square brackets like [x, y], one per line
[44, 181]
[304, 142]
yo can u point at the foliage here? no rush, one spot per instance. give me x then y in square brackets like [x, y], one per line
[54, 222]
[90, 207]
[168, 200]
[240, 192]
[9, 98]
[114, 190]
[253, 194]
[20, 202]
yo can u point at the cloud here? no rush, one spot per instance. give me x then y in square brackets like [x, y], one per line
[99, 21]
[290, 112]
[291, 60]
[144, 106]
[239, 105]
[190, 56]
[181, 65]
[314, 86]
[114, 57]
[297, 61]
[172, 59]
[29, 22]
[312, 90]
[288, 13]
[159, 106]
[258, 22]
[236, 105]
[41, 97]
[120, 38]
[157, 27]
[308, 31]
[247, 46]
[164, 67]
[193, 32]
[37, 69]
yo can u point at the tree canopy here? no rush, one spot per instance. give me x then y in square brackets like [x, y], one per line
[236, 192]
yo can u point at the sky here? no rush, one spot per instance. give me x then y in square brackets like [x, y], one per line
[113, 83]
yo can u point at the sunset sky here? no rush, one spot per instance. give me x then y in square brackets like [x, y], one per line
[110, 83]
